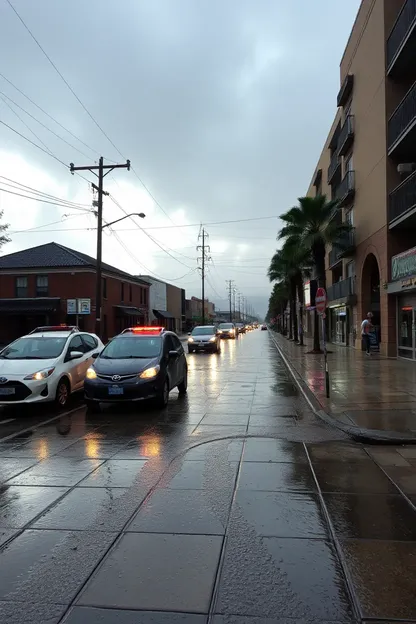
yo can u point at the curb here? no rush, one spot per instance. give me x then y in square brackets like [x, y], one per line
[368, 436]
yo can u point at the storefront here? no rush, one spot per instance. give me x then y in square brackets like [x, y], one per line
[403, 285]
[338, 324]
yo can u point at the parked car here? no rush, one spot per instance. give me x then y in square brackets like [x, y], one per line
[140, 363]
[241, 328]
[204, 338]
[227, 330]
[48, 364]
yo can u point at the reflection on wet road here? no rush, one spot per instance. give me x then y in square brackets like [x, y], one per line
[214, 509]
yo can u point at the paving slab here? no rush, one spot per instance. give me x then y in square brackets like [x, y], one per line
[91, 615]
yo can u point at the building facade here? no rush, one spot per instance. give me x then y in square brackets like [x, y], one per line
[166, 304]
[53, 285]
[368, 164]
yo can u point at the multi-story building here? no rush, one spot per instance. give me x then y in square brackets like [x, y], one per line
[166, 304]
[369, 164]
[52, 284]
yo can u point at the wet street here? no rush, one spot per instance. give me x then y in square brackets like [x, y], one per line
[235, 505]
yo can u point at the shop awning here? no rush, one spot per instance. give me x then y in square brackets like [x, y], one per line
[40, 305]
[129, 311]
[163, 314]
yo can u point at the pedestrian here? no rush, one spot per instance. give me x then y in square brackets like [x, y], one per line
[366, 329]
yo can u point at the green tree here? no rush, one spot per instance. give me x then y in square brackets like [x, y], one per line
[312, 225]
[278, 303]
[3, 229]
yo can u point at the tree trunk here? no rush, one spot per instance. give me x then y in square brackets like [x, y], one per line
[318, 252]
[301, 305]
[290, 322]
[293, 309]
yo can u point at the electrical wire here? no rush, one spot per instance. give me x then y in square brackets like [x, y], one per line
[44, 201]
[24, 123]
[20, 186]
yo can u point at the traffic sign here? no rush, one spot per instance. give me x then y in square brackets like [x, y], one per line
[320, 300]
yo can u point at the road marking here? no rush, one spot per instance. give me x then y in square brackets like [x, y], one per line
[40, 424]
[3, 422]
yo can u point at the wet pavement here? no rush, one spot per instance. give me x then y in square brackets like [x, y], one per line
[232, 506]
[376, 392]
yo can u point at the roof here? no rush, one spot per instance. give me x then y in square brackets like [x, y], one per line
[53, 255]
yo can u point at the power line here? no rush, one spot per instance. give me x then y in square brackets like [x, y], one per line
[20, 186]
[63, 78]
[35, 144]
[24, 123]
[44, 201]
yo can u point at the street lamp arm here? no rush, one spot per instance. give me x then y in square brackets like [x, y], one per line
[133, 214]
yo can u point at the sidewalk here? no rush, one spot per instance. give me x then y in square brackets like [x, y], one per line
[374, 393]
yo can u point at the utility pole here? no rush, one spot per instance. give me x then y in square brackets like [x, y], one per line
[234, 292]
[230, 287]
[204, 249]
[100, 175]
[239, 306]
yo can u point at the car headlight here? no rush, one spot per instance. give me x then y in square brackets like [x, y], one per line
[220, 331]
[39, 375]
[91, 374]
[190, 339]
[149, 373]
[213, 339]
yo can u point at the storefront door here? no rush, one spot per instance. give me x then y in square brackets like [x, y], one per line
[407, 332]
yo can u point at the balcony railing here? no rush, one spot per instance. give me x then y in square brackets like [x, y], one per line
[404, 23]
[345, 91]
[343, 248]
[334, 165]
[334, 257]
[342, 289]
[345, 191]
[403, 198]
[403, 117]
[346, 135]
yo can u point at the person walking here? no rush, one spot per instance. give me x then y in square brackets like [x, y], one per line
[366, 329]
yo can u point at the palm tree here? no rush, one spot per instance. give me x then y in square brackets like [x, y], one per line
[3, 228]
[289, 263]
[311, 225]
[278, 303]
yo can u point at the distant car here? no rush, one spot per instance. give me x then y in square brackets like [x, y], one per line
[46, 365]
[241, 328]
[204, 338]
[227, 330]
[264, 327]
[140, 363]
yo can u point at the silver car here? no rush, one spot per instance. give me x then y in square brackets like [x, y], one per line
[204, 338]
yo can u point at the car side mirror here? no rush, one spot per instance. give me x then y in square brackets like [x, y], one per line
[75, 355]
[95, 356]
[173, 354]
[189, 333]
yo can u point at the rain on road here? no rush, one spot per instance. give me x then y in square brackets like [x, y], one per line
[213, 509]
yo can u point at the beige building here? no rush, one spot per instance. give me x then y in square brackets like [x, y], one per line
[369, 164]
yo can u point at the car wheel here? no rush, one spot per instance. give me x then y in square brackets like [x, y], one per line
[62, 394]
[93, 407]
[183, 386]
[163, 398]
[190, 350]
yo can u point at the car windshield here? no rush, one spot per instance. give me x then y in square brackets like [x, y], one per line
[132, 347]
[203, 331]
[34, 348]
[226, 326]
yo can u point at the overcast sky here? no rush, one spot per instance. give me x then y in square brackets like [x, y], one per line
[222, 106]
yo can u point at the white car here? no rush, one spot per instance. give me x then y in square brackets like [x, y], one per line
[49, 364]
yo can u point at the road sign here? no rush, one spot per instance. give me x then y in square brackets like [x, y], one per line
[84, 306]
[320, 300]
[71, 306]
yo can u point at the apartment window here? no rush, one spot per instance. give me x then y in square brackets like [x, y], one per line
[122, 291]
[104, 288]
[42, 286]
[130, 293]
[349, 217]
[347, 109]
[21, 287]
[349, 164]
[144, 296]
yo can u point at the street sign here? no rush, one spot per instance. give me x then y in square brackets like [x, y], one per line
[84, 306]
[71, 306]
[320, 300]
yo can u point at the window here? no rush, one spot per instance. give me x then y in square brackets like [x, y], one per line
[351, 269]
[42, 286]
[348, 164]
[104, 288]
[130, 293]
[347, 109]
[169, 344]
[177, 344]
[76, 344]
[122, 290]
[21, 287]
[90, 342]
[349, 217]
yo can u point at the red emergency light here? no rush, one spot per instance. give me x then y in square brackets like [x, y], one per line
[145, 330]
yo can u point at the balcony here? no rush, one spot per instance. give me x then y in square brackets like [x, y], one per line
[345, 91]
[402, 128]
[334, 257]
[345, 289]
[334, 167]
[346, 136]
[343, 248]
[402, 203]
[401, 43]
[346, 190]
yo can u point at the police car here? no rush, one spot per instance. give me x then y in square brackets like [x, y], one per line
[140, 363]
[46, 365]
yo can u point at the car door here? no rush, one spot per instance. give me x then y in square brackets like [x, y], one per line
[172, 362]
[181, 361]
[76, 368]
[90, 347]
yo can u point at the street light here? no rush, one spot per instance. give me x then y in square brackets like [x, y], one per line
[98, 302]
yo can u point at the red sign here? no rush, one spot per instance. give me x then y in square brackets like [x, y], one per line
[320, 300]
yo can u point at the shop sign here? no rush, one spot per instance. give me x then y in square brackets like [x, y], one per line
[71, 306]
[403, 265]
[84, 306]
[409, 283]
